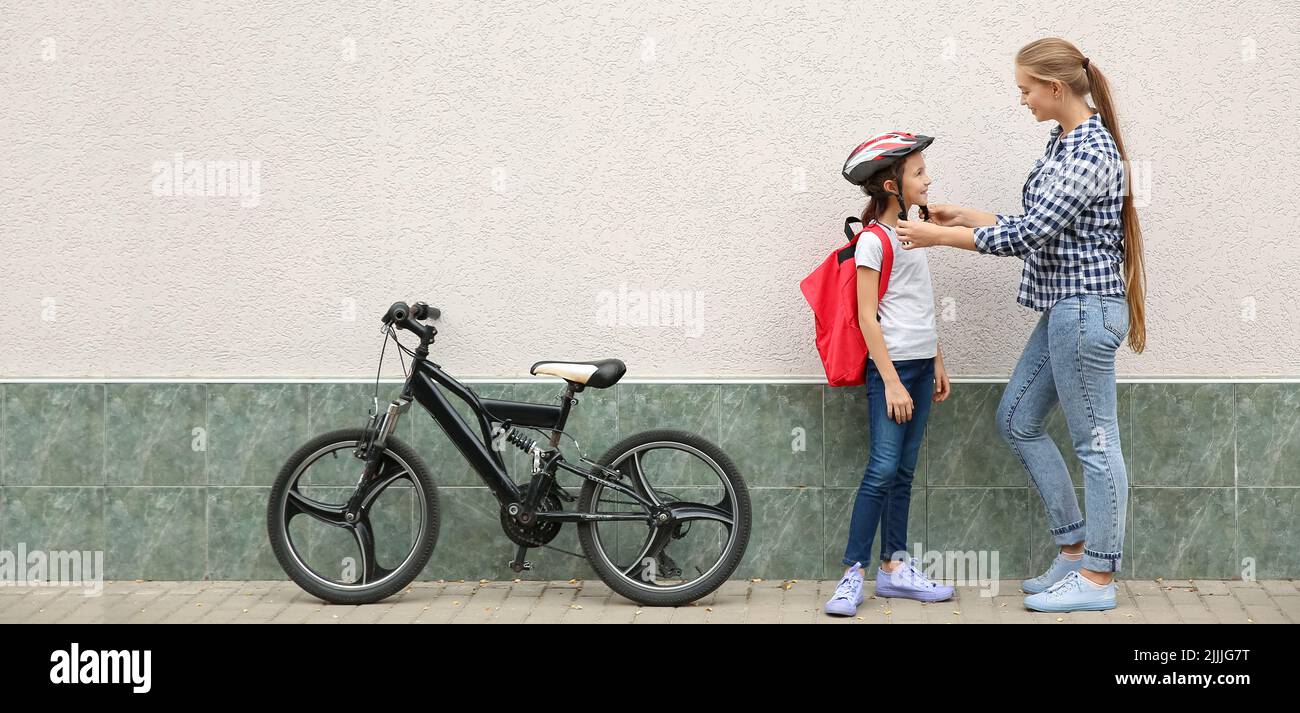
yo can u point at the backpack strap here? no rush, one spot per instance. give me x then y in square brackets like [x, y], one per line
[846, 253]
[849, 232]
[886, 257]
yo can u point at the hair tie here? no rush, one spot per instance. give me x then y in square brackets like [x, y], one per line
[1085, 64]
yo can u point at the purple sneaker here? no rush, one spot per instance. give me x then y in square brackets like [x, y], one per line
[848, 594]
[908, 582]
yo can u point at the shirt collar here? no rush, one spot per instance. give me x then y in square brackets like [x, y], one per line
[1078, 134]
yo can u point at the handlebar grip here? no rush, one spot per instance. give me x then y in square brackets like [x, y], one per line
[424, 311]
[397, 313]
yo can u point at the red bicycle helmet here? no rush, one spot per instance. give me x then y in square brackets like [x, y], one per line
[881, 152]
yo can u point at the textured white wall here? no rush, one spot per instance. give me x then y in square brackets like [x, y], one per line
[521, 164]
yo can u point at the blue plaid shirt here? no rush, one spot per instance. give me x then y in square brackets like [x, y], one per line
[1071, 235]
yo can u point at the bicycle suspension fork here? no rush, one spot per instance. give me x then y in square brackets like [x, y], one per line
[371, 451]
[381, 426]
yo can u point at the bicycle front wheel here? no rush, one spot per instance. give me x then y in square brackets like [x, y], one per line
[352, 557]
[697, 520]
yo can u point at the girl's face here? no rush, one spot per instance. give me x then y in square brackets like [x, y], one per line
[1036, 95]
[916, 182]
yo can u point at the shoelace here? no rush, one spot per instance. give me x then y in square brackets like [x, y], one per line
[907, 572]
[918, 577]
[1068, 582]
[848, 587]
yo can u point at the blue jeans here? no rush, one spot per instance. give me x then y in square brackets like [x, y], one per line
[1070, 360]
[886, 490]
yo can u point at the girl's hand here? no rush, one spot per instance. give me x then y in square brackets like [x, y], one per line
[946, 214]
[898, 403]
[942, 387]
[919, 234]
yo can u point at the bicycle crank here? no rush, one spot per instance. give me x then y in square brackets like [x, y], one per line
[538, 533]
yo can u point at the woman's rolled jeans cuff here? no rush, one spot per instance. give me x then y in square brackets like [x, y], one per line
[1065, 535]
[1073, 534]
[1101, 561]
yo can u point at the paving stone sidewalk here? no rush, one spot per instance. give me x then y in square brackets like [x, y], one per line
[740, 601]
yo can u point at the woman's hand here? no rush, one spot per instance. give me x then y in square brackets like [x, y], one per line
[919, 234]
[946, 214]
[942, 386]
[898, 403]
[950, 216]
[915, 234]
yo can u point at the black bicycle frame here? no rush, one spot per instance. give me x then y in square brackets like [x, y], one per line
[422, 386]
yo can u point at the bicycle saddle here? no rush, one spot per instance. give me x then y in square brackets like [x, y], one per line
[597, 374]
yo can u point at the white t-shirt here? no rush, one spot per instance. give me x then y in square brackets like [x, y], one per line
[907, 309]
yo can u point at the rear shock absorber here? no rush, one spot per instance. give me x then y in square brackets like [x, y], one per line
[520, 441]
[527, 445]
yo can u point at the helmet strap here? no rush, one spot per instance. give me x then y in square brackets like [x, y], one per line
[902, 207]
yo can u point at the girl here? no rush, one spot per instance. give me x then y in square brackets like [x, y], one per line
[904, 374]
[1082, 246]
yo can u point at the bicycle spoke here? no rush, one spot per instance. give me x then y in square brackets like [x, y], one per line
[685, 511]
[639, 481]
[365, 536]
[389, 475]
[656, 540]
[298, 503]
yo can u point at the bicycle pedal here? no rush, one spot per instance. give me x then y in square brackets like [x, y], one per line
[520, 566]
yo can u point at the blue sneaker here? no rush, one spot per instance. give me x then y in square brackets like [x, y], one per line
[907, 582]
[1060, 567]
[1072, 593]
[848, 593]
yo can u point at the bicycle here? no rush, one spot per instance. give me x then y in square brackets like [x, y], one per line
[701, 495]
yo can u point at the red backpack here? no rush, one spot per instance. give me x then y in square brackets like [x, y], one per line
[832, 292]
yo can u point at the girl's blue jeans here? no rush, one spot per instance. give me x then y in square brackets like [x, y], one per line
[886, 491]
[1070, 360]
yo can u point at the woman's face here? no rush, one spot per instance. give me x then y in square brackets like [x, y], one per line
[1036, 95]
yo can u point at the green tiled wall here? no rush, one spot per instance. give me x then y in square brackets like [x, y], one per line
[171, 480]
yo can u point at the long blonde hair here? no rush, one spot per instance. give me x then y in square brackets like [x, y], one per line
[1053, 58]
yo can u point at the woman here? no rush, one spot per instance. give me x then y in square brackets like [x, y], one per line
[1082, 246]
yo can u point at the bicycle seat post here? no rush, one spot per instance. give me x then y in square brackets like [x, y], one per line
[567, 400]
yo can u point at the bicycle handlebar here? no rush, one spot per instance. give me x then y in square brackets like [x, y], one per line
[407, 317]
[424, 311]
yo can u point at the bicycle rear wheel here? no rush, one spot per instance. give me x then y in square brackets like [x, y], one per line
[686, 557]
[369, 556]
